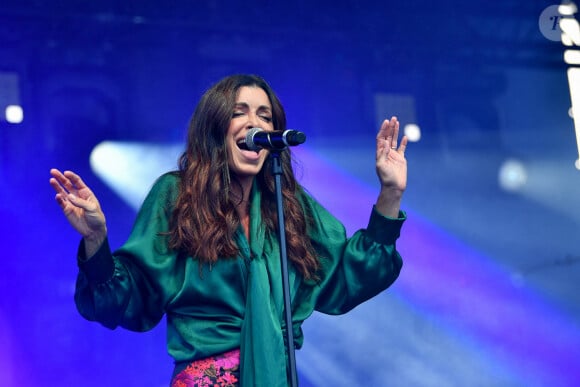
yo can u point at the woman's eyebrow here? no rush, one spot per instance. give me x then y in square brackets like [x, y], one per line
[243, 105]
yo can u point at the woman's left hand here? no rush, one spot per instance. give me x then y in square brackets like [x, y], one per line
[391, 167]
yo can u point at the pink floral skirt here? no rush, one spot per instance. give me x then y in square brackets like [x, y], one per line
[220, 370]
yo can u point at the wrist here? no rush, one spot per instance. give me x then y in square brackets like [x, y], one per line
[389, 202]
[391, 193]
[96, 235]
[93, 242]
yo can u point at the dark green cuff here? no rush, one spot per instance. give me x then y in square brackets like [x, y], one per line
[100, 267]
[383, 229]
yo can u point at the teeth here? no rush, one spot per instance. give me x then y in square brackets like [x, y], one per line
[242, 144]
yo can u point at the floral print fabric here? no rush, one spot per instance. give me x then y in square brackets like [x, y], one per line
[220, 370]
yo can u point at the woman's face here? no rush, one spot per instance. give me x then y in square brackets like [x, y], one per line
[252, 110]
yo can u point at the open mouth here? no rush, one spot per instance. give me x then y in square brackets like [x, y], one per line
[243, 146]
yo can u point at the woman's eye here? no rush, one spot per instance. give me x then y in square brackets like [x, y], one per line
[237, 114]
[266, 118]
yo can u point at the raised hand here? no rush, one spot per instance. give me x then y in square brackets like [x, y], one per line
[81, 208]
[391, 167]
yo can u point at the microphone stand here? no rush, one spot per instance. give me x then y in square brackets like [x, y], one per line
[277, 172]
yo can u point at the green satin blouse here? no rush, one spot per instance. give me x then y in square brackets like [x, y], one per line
[237, 302]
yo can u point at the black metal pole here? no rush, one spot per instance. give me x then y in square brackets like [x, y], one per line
[277, 172]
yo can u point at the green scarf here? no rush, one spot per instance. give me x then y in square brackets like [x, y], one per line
[262, 353]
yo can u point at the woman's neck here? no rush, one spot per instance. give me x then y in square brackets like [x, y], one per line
[241, 197]
[243, 210]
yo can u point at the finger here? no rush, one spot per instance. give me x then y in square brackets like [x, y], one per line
[62, 179]
[403, 146]
[381, 137]
[57, 186]
[75, 179]
[87, 202]
[383, 130]
[394, 133]
[61, 200]
[389, 134]
[55, 172]
[58, 176]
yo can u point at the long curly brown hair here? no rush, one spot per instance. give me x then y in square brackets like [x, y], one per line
[204, 220]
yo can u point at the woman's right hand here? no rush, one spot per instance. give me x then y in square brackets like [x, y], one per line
[81, 208]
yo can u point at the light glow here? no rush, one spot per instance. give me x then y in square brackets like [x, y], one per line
[574, 83]
[413, 132]
[571, 29]
[512, 175]
[572, 57]
[567, 9]
[14, 114]
[131, 168]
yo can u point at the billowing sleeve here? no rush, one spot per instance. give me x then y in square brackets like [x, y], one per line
[354, 269]
[131, 287]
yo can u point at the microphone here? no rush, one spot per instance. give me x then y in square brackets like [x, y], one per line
[258, 138]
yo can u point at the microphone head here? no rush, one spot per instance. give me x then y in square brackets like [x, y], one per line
[294, 137]
[277, 140]
[250, 139]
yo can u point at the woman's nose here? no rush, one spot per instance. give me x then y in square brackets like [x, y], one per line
[253, 121]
